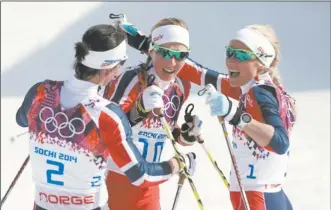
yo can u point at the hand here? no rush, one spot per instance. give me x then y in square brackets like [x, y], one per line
[220, 105]
[151, 98]
[181, 161]
[189, 132]
[136, 38]
[121, 21]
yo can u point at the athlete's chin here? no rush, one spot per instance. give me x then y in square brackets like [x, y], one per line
[237, 81]
[167, 78]
[168, 75]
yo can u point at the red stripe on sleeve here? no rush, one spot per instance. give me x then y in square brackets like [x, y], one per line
[111, 134]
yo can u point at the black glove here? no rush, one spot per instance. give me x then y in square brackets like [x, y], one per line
[189, 132]
[139, 42]
[136, 38]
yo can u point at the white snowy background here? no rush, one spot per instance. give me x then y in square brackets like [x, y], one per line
[37, 41]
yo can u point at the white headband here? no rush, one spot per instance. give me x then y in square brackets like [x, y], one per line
[107, 59]
[171, 33]
[258, 43]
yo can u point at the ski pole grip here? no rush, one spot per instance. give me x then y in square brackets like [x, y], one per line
[158, 112]
[150, 80]
[220, 119]
[200, 140]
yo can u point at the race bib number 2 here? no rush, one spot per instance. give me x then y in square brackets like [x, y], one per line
[56, 163]
[53, 175]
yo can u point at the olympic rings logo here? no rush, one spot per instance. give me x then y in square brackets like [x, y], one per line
[52, 124]
[170, 108]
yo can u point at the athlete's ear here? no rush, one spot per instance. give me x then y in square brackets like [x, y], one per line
[151, 53]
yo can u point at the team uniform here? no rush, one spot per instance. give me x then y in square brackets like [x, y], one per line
[149, 135]
[70, 144]
[262, 169]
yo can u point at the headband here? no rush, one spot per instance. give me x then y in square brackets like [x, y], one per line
[107, 59]
[258, 43]
[171, 33]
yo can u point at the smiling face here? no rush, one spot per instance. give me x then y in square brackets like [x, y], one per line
[167, 68]
[241, 63]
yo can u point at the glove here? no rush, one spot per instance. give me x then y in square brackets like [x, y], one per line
[136, 38]
[189, 132]
[151, 98]
[220, 105]
[188, 161]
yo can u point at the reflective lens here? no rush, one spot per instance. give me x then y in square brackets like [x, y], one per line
[168, 53]
[240, 54]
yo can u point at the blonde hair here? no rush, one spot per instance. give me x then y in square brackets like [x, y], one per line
[170, 21]
[269, 33]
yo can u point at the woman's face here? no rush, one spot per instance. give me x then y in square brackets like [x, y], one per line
[165, 63]
[241, 63]
[106, 75]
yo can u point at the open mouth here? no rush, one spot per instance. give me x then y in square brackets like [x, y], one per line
[168, 71]
[234, 73]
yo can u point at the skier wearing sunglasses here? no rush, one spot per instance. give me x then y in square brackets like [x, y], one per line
[264, 119]
[168, 51]
[262, 122]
